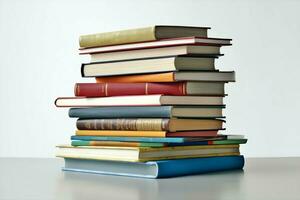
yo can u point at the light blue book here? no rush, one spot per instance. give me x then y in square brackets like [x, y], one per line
[155, 169]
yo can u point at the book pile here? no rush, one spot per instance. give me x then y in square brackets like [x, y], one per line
[155, 109]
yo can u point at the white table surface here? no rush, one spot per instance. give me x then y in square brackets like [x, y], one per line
[262, 178]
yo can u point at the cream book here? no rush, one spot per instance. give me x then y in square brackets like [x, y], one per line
[142, 154]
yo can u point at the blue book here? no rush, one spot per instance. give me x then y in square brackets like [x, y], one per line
[155, 169]
[143, 139]
[147, 112]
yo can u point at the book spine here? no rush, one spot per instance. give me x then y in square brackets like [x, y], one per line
[121, 112]
[117, 37]
[123, 89]
[198, 165]
[142, 78]
[124, 124]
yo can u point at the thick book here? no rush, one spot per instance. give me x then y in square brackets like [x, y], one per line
[124, 89]
[150, 124]
[140, 35]
[213, 76]
[147, 112]
[149, 65]
[172, 42]
[155, 169]
[153, 144]
[149, 139]
[125, 133]
[139, 100]
[196, 51]
[143, 154]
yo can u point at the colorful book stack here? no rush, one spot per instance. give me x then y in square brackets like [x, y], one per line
[155, 109]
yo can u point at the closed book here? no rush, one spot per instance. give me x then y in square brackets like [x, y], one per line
[124, 133]
[155, 169]
[140, 100]
[150, 124]
[143, 154]
[124, 89]
[213, 76]
[140, 34]
[116, 143]
[197, 51]
[172, 42]
[147, 112]
[147, 139]
[149, 65]
[148, 144]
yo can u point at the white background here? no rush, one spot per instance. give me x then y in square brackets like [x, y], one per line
[39, 62]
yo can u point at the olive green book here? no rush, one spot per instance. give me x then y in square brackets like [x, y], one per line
[151, 33]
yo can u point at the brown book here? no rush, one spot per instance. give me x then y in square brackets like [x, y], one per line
[151, 124]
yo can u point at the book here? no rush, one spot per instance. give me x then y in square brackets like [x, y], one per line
[171, 42]
[143, 154]
[150, 124]
[124, 89]
[155, 144]
[149, 65]
[140, 100]
[196, 51]
[214, 76]
[139, 35]
[148, 139]
[147, 112]
[155, 169]
[125, 133]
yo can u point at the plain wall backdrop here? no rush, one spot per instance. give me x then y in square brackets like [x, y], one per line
[40, 61]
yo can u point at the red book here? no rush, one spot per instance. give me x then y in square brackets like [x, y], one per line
[125, 89]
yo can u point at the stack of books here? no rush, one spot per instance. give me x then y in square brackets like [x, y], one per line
[155, 108]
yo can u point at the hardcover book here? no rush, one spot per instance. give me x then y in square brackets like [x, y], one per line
[150, 124]
[155, 169]
[155, 144]
[172, 42]
[147, 112]
[143, 154]
[192, 51]
[124, 89]
[140, 100]
[149, 65]
[140, 34]
[149, 139]
[213, 76]
[149, 133]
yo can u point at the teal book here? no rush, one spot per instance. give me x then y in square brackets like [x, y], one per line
[155, 169]
[147, 112]
[144, 139]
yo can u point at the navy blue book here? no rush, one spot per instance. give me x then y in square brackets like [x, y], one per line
[146, 139]
[147, 112]
[155, 169]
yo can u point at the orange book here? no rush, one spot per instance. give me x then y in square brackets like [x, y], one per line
[210, 133]
[206, 76]
[121, 133]
[141, 78]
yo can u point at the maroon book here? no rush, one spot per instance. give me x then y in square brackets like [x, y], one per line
[124, 89]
